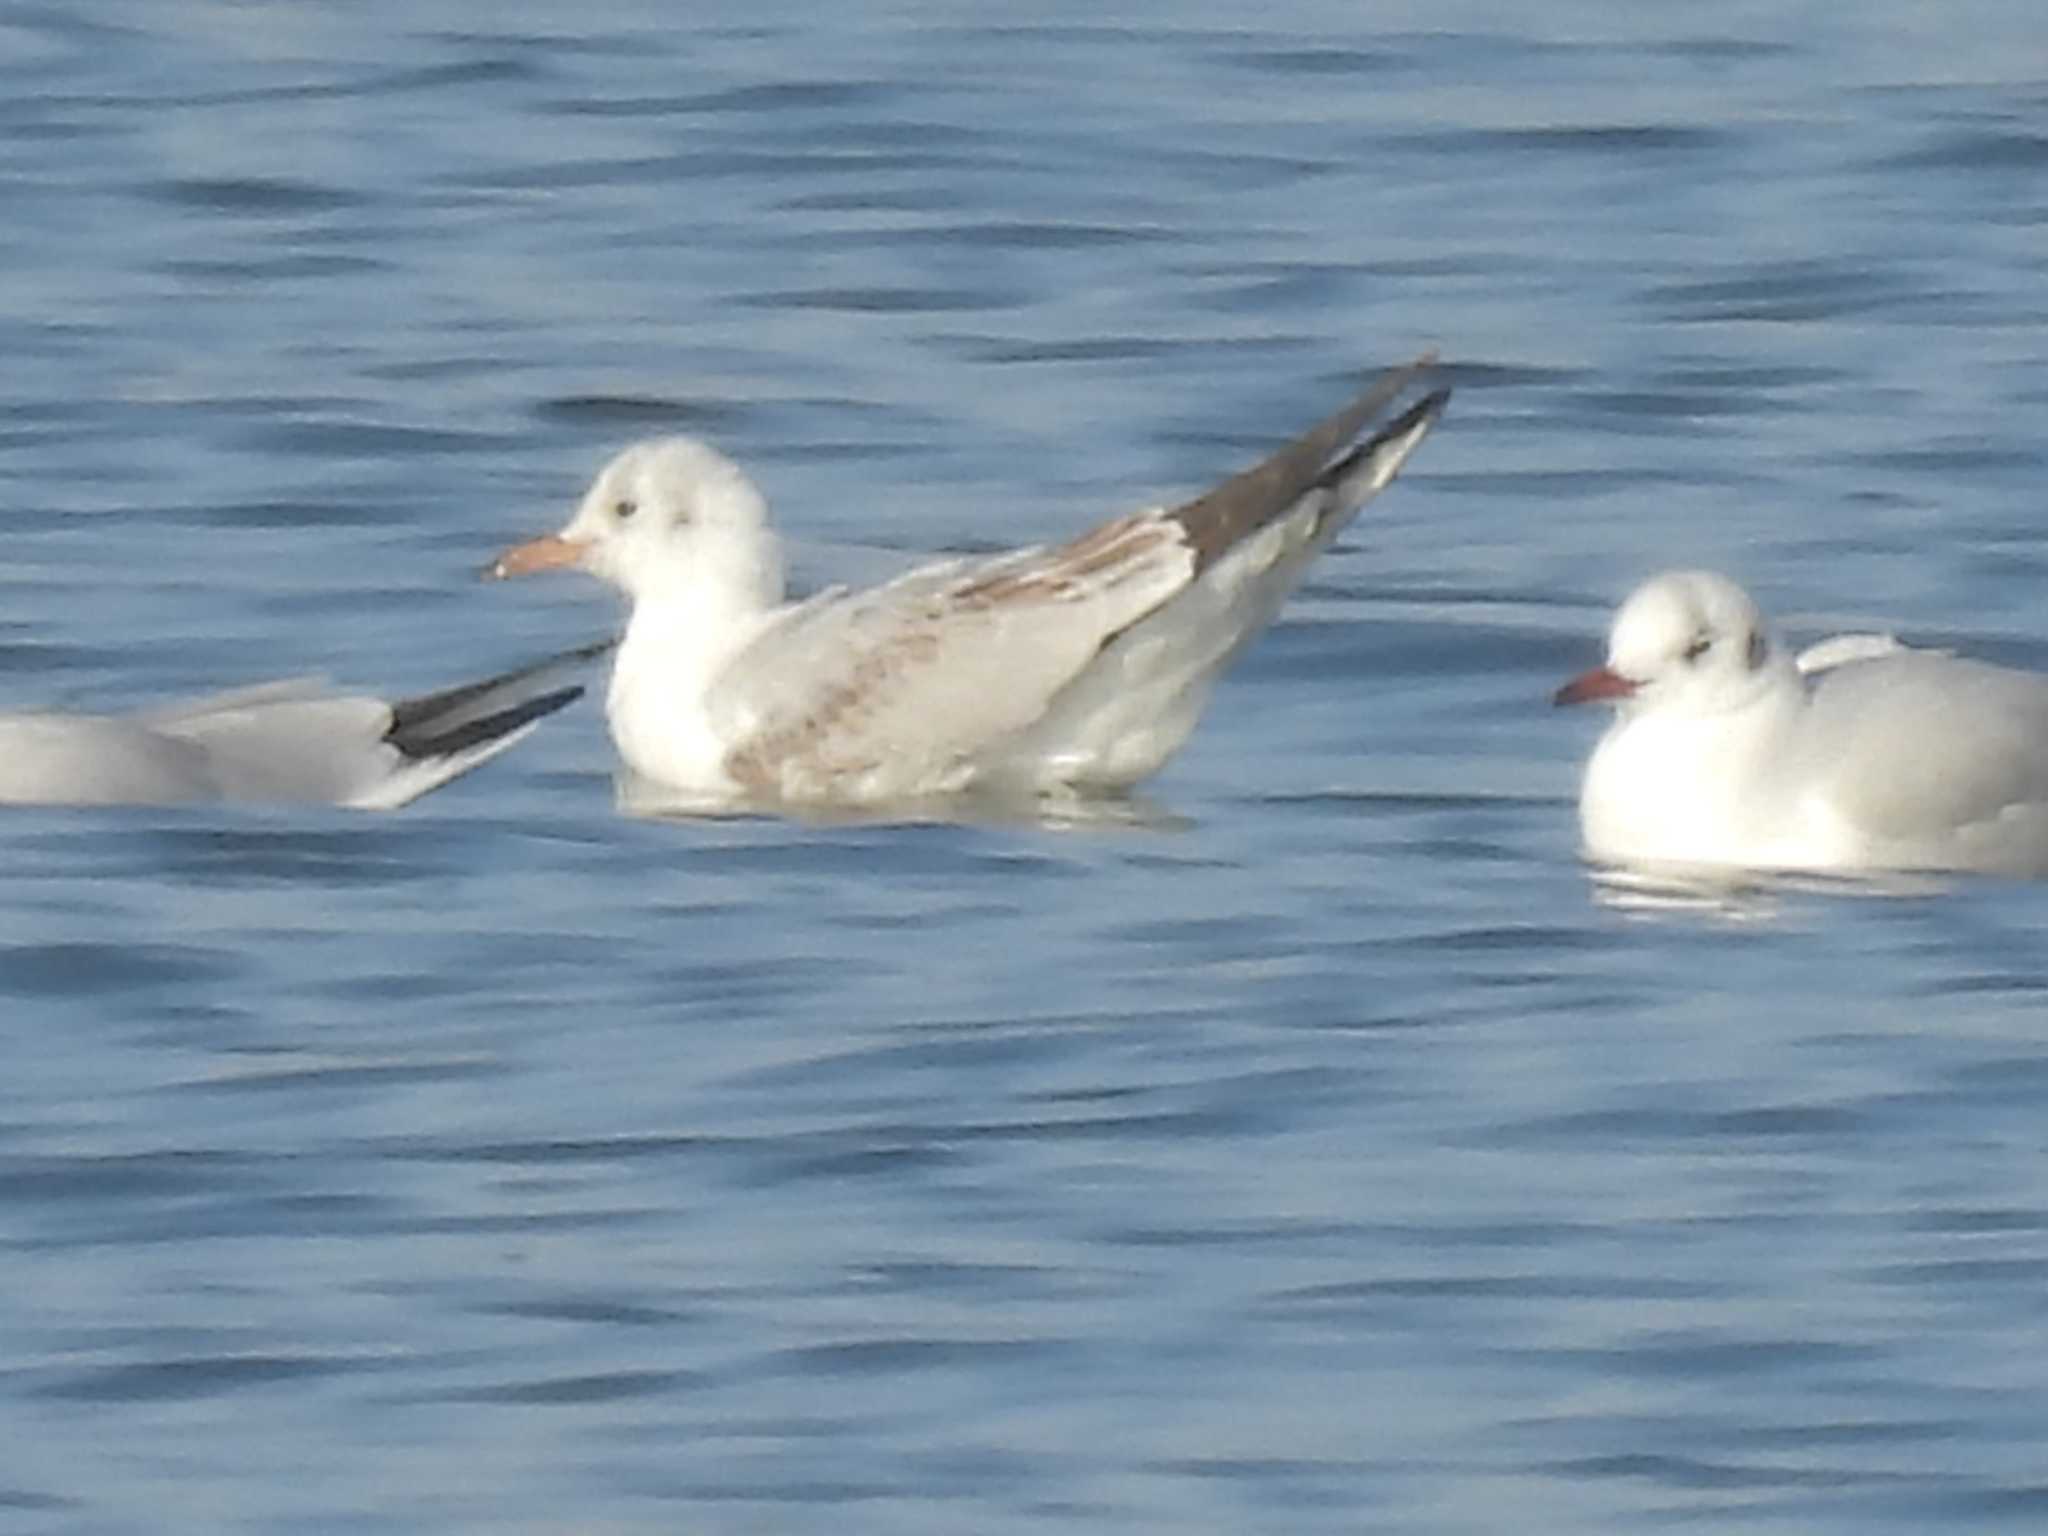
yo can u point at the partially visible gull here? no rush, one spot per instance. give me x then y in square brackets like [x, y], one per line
[287, 741]
[1078, 666]
[1859, 755]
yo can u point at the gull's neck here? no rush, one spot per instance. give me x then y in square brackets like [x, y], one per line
[1686, 784]
[1737, 731]
[689, 620]
[698, 605]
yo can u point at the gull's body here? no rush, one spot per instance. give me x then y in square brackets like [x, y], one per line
[1083, 665]
[1858, 756]
[283, 742]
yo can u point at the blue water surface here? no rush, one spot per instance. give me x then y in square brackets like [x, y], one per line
[1321, 1151]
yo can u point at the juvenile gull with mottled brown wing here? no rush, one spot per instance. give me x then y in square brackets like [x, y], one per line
[1082, 665]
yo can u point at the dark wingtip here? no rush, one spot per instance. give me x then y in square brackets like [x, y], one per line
[408, 713]
[1219, 518]
[470, 714]
[1423, 413]
[1404, 433]
[421, 738]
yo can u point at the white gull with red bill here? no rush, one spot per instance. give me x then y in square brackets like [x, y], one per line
[1075, 666]
[1859, 755]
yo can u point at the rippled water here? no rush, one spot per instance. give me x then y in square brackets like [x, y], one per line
[1321, 1153]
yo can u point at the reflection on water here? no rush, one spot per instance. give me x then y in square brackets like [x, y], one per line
[1743, 895]
[1051, 812]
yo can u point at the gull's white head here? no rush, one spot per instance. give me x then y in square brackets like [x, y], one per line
[1687, 638]
[668, 515]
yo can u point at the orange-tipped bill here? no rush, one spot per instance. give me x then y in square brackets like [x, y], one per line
[1600, 683]
[549, 552]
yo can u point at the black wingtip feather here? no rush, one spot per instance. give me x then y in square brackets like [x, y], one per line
[1425, 410]
[1345, 502]
[407, 714]
[421, 738]
[1218, 519]
[455, 719]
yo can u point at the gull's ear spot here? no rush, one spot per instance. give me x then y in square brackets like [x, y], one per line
[1759, 648]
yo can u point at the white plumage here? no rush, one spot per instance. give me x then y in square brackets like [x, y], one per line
[1860, 755]
[1081, 665]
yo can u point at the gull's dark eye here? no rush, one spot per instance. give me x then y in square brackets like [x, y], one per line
[1700, 646]
[624, 508]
